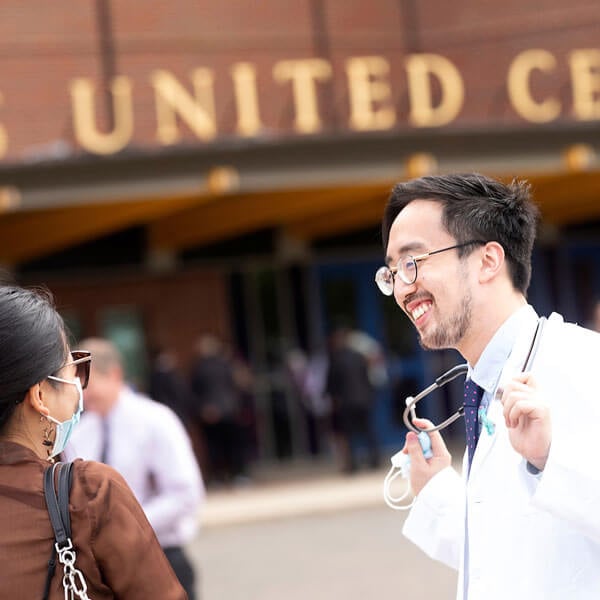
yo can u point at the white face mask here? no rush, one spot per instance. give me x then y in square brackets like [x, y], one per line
[64, 429]
[401, 468]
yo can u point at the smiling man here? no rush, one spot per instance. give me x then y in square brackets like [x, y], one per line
[520, 523]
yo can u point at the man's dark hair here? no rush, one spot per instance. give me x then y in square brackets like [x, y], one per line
[476, 207]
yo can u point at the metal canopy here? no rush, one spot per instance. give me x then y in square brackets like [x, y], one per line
[311, 188]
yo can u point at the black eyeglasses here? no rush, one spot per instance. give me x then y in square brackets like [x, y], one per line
[406, 268]
[82, 359]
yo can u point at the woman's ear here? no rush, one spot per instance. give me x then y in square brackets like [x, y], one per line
[35, 398]
[492, 262]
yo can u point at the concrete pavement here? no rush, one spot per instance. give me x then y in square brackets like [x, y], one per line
[296, 495]
[301, 488]
[310, 532]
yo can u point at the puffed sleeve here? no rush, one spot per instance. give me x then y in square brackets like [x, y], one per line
[117, 549]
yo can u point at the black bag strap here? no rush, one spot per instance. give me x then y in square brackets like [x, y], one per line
[57, 501]
[58, 509]
[50, 574]
[65, 477]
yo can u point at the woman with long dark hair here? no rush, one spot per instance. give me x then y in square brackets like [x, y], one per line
[41, 398]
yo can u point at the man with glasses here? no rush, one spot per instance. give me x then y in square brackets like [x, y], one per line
[522, 522]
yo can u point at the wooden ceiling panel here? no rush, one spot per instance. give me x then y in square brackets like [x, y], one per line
[178, 223]
[229, 216]
[567, 198]
[28, 235]
[368, 212]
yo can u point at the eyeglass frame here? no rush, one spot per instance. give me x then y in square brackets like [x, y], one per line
[396, 270]
[79, 357]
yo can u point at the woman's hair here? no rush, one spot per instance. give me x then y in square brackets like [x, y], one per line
[32, 343]
[476, 207]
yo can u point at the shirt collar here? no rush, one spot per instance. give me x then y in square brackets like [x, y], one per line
[486, 373]
[115, 412]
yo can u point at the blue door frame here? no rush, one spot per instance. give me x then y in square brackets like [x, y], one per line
[369, 319]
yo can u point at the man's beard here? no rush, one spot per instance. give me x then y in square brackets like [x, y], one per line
[449, 334]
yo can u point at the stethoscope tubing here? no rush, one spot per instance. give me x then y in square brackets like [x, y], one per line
[453, 373]
[439, 382]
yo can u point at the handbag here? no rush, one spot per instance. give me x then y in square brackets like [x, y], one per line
[57, 487]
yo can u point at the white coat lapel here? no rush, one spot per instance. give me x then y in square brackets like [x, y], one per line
[513, 366]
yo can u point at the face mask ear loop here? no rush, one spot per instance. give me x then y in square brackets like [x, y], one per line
[393, 501]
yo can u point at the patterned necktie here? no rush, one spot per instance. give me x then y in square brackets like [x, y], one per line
[472, 399]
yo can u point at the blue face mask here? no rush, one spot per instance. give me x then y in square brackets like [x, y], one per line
[64, 429]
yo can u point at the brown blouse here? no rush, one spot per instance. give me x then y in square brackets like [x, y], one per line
[117, 550]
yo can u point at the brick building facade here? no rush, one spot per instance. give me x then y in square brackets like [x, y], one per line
[188, 166]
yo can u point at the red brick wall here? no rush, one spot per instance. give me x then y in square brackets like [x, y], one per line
[175, 308]
[44, 45]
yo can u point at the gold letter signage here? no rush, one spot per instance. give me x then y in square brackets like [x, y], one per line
[420, 68]
[368, 85]
[369, 92]
[303, 74]
[173, 99]
[84, 116]
[3, 137]
[585, 74]
[246, 98]
[519, 92]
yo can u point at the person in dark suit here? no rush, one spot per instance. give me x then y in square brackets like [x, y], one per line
[353, 398]
[217, 409]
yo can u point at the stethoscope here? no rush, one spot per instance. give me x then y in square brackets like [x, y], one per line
[409, 412]
[401, 461]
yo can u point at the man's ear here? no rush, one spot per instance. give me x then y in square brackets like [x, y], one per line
[35, 398]
[492, 262]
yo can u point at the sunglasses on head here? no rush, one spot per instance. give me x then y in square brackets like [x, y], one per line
[82, 359]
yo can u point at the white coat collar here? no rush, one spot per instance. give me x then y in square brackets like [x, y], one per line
[512, 342]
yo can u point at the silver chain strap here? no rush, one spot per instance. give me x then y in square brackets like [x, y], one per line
[73, 581]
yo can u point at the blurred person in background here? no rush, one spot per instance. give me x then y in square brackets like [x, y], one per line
[167, 385]
[352, 393]
[370, 348]
[217, 409]
[308, 375]
[146, 442]
[41, 399]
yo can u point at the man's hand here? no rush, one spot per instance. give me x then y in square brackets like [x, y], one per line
[422, 469]
[528, 420]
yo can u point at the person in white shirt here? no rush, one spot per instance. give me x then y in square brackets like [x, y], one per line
[147, 443]
[523, 521]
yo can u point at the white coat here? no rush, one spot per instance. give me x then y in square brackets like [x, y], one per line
[530, 537]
